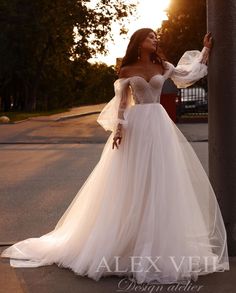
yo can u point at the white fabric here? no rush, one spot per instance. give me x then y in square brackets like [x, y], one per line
[109, 116]
[151, 198]
[190, 68]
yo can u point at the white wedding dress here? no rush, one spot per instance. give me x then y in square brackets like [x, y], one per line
[147, 211]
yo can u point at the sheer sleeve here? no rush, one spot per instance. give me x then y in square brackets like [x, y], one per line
[114, 111]
[191, 67]
[123, 92]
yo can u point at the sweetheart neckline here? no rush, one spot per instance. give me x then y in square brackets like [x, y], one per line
[148, 82]
[158, 74]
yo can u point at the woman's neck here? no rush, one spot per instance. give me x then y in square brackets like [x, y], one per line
[144, 58]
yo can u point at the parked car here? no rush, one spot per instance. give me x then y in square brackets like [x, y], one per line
[193, 100]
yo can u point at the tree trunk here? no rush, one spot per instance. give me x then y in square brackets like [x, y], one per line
[221, 18]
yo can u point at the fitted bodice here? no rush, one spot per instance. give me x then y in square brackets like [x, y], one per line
[146, 91]
[136, 90]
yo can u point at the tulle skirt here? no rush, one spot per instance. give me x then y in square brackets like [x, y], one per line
[147, 212]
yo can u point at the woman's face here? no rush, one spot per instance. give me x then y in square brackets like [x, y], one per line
[150, 43]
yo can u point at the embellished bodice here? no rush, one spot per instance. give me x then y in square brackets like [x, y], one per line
[132, 90]
[143, 91]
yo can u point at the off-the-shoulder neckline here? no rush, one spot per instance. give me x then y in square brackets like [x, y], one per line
[158, 74]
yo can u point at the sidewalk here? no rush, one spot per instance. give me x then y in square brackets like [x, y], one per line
[74, 112]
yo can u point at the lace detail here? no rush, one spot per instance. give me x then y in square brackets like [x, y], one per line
[121, 111]
[123, 93]
[121, 120]
[136, 90]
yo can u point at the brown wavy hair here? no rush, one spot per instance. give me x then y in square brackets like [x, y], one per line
[132, 51]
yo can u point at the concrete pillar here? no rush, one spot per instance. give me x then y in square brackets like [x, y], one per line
[221, 21]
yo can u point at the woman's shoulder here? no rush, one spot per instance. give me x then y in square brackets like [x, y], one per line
[125, 71]
[123, 77]
[168, 64]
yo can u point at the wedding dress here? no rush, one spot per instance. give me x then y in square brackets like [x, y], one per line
[147, 211]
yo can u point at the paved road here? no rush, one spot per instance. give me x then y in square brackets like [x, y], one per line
[76, 130]
[43, 163]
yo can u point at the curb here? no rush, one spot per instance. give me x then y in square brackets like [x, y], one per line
[15, 122]
[62, 118]
[19, 121]
[76, 115]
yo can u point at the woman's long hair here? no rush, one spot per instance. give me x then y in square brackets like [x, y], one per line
[132, 51]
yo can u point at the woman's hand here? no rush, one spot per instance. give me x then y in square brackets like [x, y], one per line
[117, 138]
[208, 40]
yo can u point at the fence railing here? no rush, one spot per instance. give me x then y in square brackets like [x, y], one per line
[192, 102]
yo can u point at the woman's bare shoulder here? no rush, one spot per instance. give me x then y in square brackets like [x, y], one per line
[125, 71]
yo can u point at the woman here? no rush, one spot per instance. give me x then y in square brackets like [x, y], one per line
[147, 211]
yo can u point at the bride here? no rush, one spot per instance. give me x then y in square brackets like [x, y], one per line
[147, 211]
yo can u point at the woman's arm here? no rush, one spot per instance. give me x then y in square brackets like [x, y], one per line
[208, 43]
[192, 66]
[123, 93]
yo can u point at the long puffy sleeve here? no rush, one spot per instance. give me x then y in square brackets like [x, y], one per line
[114, 111]
[191, 67]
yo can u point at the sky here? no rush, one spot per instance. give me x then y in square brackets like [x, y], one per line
[149, 13]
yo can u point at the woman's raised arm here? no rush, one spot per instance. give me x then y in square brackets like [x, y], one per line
[192, 66]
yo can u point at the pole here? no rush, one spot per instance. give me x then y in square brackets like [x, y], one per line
[221, 21]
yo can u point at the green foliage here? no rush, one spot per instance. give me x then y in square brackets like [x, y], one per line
[96, 85]
[43, 45]
[185, 28]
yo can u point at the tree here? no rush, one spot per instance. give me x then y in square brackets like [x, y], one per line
[184, 29]
[40, 40]
[101, 88]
